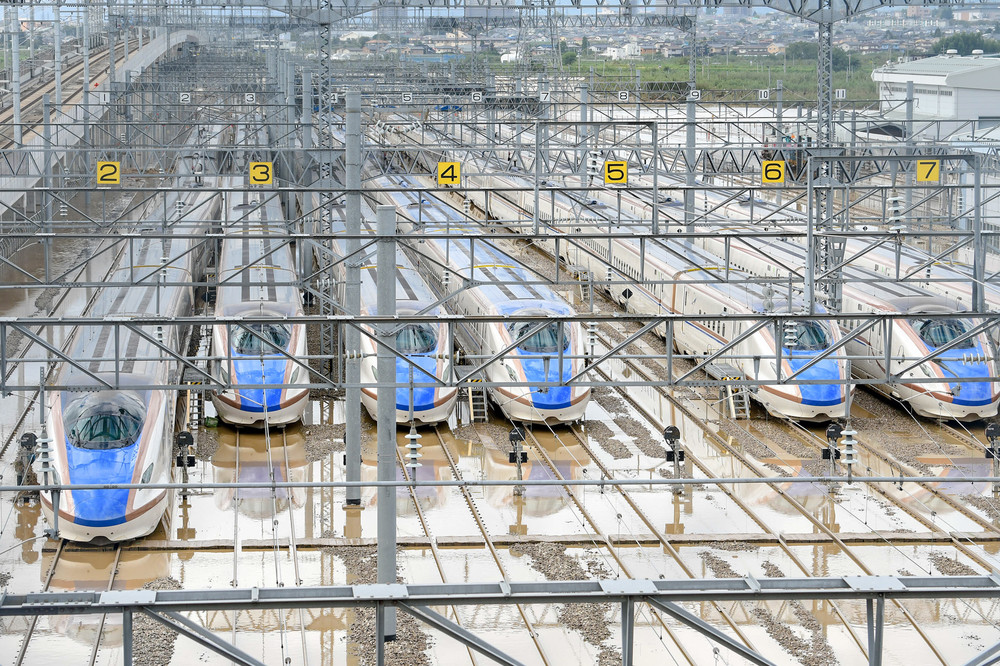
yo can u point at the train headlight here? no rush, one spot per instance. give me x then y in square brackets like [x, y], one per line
[297, 375]
[926, 370]
[510, 373]
[148, 474]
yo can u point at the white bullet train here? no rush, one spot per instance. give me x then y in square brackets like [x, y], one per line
[969, 363]
[257, 278]
[656, 278]
[499, 287]
[952, 385]
[121, 431]
[425, 357]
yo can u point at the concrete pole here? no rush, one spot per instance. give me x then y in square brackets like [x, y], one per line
[57, 51]
[979, 259]
[305, 266]
[47, 194]
[31, 32]
[15, 71]
[86, 89]
[780, 131]
[111, 48]
[584, 130]
[86, 71]
[352, 291]
[125, 18]
[386, 286]
[689, 158]
[909, 151]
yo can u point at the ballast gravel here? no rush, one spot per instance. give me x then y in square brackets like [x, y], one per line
[411, 644]
[591, 621]
[153, 643]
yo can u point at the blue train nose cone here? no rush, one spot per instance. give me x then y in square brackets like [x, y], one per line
[820, 395]
[100, 508]
[255, 371]
[423, 397]
[551, 397]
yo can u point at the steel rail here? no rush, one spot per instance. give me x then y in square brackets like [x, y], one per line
[711, 436]
[728, 491]
[104, 616]
[457, 473]
[19, 660]
[539, 451]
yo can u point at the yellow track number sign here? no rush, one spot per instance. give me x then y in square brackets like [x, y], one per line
[449, 173]
[615, 173]
[109, 173]
[772, 171]
[928, 171]
[261, 173]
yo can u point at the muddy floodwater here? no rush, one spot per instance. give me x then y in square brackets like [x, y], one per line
[218, 539]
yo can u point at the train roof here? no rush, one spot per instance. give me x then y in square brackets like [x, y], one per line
[256, 267]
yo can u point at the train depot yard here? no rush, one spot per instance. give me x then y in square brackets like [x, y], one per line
[321, 353]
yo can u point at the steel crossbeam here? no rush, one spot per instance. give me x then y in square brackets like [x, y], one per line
[200, 635]
[695, 622]
[165, 606]
[459, 633]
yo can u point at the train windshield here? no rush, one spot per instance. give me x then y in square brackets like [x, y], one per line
[105, 420]
[416, 339]
[261, 338]
[939, 332]
[809, 336]
[545, 340]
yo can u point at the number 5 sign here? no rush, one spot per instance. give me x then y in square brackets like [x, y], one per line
[261, 173]
[615, 173]
[773, 171]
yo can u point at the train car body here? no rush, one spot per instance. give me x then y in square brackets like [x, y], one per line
[124, 435]
[424, 350]
[952, 384]
[479, 279]
[257, 277]
[650, 279]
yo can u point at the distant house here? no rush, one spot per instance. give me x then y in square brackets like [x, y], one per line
[776, 48]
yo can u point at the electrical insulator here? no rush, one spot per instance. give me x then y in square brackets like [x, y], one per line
[850, 450]
[593, 162]
[413, 450]
[791, 333]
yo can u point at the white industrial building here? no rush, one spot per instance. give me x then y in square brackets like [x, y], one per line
[962, 95]
[946, 87]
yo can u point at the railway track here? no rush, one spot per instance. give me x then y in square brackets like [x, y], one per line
[470, 502]
[57, 560]
[31, 102]
[722, 446]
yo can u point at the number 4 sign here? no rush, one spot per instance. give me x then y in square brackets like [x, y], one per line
[449, 173]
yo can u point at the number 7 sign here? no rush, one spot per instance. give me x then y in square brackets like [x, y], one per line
[928, 171]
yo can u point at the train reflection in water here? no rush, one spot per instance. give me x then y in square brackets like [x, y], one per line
[90, 570]
[249, 456]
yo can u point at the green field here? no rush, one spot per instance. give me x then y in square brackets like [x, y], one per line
[735, 77]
